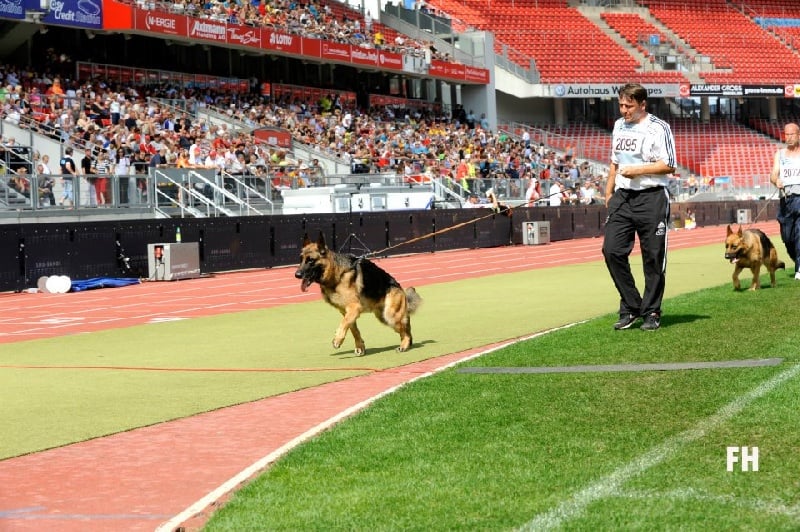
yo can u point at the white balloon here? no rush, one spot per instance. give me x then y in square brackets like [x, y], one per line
[64, 284]
[41, 284]
[52, 284]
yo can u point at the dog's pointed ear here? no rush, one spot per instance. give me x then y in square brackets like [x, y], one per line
[306, 240]
[730, 231]
[739, 232]
[321, 243]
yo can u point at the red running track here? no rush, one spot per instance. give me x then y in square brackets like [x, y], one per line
[175, 473]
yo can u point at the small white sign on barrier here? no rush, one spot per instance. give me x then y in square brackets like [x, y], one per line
[535, 233]
[744, 216]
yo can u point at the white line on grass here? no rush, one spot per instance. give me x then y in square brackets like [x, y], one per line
[611, 484]
[690, 494]
[241, 477]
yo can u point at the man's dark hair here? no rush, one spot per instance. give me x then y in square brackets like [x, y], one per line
[634, 91]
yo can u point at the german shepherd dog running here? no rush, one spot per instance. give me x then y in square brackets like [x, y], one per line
[355, 285]
[751, 249]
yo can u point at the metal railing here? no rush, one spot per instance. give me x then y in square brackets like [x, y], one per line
[64, 192]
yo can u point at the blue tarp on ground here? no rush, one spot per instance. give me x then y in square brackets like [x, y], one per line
[102, 282]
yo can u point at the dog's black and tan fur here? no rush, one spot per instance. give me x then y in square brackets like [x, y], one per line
[355, 285]
[751, 249]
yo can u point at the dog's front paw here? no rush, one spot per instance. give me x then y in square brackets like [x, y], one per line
[360, 351]
[337, 343]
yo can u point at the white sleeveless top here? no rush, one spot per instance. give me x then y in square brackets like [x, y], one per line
[789, 173]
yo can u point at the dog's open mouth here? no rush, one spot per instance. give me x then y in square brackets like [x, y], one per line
[305, 283]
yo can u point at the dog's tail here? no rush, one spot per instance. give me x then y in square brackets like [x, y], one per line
[412, 300]
[772, 255]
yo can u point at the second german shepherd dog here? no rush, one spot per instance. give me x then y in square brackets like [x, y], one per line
[354, 285]
[751, 249]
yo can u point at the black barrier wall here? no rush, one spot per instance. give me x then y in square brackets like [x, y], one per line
[84, 250]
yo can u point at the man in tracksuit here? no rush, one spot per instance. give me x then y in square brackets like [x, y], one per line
[642, 161]
[786, 176]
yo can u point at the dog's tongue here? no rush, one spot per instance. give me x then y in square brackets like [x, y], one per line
[734, 260]
[304, 285]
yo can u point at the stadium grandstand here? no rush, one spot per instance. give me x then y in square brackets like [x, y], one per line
[210, 108]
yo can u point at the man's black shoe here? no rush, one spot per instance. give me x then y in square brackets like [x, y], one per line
[652, 322]
[625, 321]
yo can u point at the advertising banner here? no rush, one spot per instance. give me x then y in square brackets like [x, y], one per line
[245, 36]
[161, 22]
[282, 42]
[390, 60]
[363, 56]
[16, 8]
[607, 90]
[77, 13]
[734, 90]
[208, 30]
[334, 51]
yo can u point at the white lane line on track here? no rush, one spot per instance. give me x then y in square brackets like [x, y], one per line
[256, 467]
[611, 485]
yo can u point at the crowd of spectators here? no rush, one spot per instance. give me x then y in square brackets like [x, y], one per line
[134, 130]
[326, 20]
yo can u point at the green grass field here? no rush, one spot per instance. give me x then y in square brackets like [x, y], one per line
[576, 451]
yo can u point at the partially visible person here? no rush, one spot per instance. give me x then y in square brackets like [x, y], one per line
[691, 185]
[89, 172]
[642, 162]
[690, 222]
[68, 173]
[555, 194]
[317, 172]
[183, 159]
[158, 158]
[20, 181]
[490, 202]
[474, 202]
[484, 122]
[786, 176]
[587, 192]
[140, 164]
[122, 169]
[532, 193]
[44, 163]
[45, 183]
[103, 168]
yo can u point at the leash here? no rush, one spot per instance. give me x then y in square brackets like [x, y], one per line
[764, 207]
[496, 209]
[503, 209]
